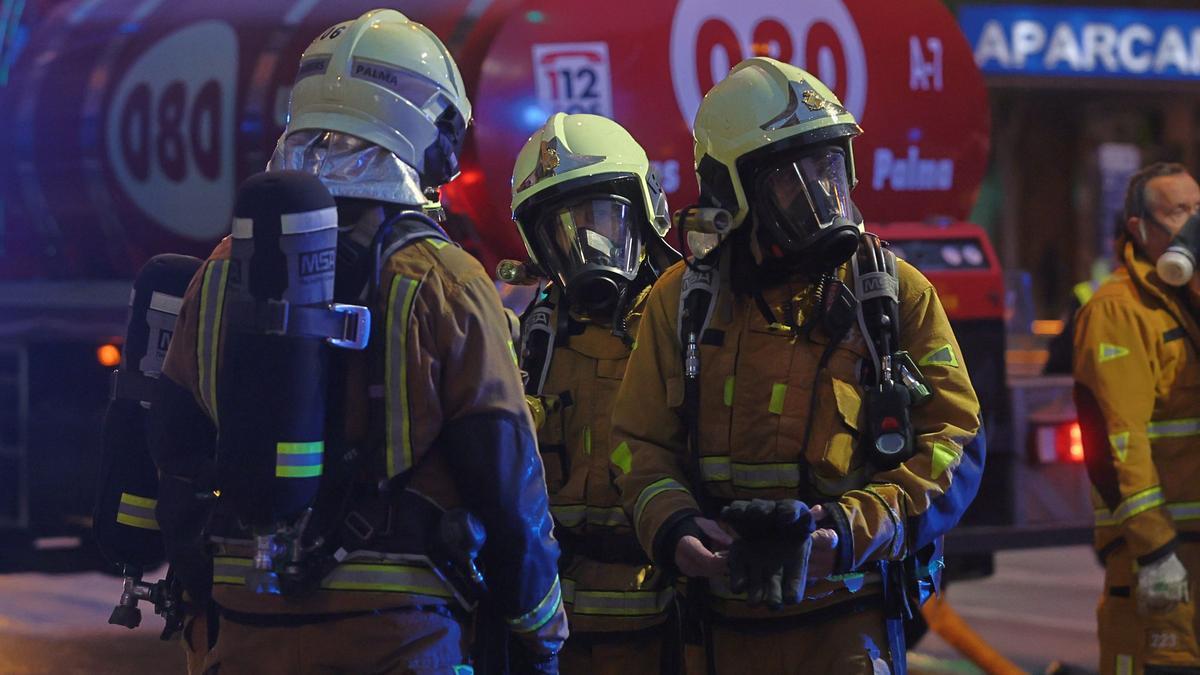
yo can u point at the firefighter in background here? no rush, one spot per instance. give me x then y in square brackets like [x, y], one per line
[1137, 375]
[745, 385]
[593, 217]
[378, 114]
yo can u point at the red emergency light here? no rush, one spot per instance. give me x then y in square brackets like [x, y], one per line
[1060, 443]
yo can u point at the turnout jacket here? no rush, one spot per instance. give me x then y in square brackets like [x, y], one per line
[1137, 391]
[757, 383]
[609, 583]
[456, 418]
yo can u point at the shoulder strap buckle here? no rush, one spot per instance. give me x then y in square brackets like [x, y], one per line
[356, 327]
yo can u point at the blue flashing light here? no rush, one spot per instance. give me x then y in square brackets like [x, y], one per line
[532, 116]
[535, 16]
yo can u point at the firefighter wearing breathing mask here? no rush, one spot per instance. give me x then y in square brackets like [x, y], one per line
[593, 217]
[799, 420]
[1137, 375]
[340, 549]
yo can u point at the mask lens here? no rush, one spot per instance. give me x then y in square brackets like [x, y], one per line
[591, 232]
[807, 193]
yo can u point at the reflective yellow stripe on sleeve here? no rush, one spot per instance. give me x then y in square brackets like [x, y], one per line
[541, 614]
[1139, 502]
[653, 490]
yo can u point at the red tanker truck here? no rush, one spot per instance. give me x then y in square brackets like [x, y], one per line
[125, 126]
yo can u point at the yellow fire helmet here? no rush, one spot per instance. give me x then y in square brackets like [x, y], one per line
[762, 110]
[588, 205]
[389, 81]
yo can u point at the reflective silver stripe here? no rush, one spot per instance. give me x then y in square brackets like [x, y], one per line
[1142, 501]
[212, 302]
[1138, 503]
[719, 468]
[574, 515]
[380, 576]
[136, 511]
[715, 468]
[1104, 518]
[616, 603]
[386, 577]
[540, 615]
[1184, 510]
[231, 570]
[612, 516]
[399, 322]
[1174, 428]
[653, 490]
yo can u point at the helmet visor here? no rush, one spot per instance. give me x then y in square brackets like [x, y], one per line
[598, 231]
[806, 194]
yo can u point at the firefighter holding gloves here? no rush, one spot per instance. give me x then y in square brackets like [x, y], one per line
[799, 384]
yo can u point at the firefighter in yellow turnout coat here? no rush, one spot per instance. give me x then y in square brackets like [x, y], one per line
[756, 391]
[1137, 377]
[593, 217]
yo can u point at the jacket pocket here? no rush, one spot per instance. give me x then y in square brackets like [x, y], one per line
[839, 467]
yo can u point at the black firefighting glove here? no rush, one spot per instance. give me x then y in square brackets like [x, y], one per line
[769, 560]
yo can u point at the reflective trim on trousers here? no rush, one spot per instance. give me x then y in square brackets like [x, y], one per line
[539, 616]
[653, 490]
[399, 322]
[616, 603]
[212, 306]
[719, 468]
[136, 511]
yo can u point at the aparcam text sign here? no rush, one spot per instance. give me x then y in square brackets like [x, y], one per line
[1083, 41]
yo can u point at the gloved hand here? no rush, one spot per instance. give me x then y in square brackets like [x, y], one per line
[769, 560]
[1161, 585]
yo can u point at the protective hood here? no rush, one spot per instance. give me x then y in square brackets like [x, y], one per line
[349, 166]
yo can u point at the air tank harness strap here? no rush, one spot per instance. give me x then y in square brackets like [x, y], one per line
[343, 325]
